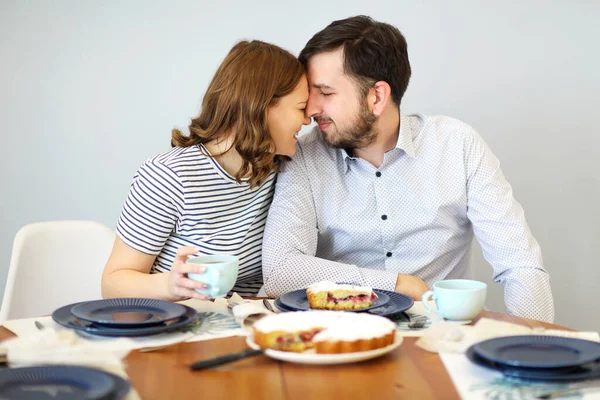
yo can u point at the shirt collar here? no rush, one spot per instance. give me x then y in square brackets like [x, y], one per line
[405, 136]
[347, 157]
[405, 142]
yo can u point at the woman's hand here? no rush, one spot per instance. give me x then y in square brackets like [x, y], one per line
[179, 285]
[411, 286]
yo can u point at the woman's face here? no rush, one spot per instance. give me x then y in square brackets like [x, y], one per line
[285, 119]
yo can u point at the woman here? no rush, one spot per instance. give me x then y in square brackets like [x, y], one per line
[211, 192]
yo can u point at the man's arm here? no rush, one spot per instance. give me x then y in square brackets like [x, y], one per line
[290, 243]
[501, 229]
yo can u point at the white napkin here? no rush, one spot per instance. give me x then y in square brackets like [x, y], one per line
[444, 336]
[64, 347]
[246, 312]
[49, 346]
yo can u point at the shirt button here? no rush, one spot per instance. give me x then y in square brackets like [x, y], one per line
[378, 174]
[388, 254]
[384, 217]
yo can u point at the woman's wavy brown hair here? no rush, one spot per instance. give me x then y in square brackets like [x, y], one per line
[252, 77]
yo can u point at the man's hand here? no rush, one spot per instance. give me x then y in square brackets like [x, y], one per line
[411, 286]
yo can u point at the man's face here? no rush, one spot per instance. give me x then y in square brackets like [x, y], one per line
[336, 105]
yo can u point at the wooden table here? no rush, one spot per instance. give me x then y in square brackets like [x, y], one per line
[407, 372]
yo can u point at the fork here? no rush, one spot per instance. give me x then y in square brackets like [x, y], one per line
[558, 393]
[416, 322]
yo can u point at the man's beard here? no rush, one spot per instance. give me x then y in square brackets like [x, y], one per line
[358, 136]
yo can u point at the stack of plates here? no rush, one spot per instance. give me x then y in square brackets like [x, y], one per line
[61, 382]
[124, 316]
[389, 304]
[545, 358]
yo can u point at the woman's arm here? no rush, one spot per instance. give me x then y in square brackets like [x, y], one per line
[127, 274]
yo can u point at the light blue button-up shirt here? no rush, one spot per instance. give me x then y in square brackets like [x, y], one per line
[337, 217]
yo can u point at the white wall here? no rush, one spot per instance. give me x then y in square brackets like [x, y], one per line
[90, 89]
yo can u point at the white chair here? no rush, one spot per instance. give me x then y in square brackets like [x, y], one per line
[54, 264]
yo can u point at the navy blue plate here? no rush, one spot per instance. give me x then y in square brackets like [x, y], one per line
[540, 351]
[128, 312]
[61, 382]
[63, 316]
[298, 301]
[588, 371]
[122, 387]
[396, 305]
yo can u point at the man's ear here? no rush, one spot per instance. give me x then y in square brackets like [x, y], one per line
[378, 97]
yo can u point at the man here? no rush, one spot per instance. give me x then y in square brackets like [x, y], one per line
[391, 201]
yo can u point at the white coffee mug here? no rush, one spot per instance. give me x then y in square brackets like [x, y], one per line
[457, 299]
[220, 273]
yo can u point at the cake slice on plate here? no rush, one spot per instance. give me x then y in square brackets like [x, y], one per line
[332, 296]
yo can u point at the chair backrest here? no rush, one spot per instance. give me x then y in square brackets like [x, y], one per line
[54, 264]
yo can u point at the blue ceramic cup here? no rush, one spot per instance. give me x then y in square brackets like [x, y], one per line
[457, 299]
[220, 275]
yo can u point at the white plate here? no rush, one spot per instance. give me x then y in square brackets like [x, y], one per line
[310, 357]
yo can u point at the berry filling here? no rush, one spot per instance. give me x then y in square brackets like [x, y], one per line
[359, 298]
[301, 337]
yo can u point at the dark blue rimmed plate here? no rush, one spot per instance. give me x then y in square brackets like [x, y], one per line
[128, 312]
[298, 301]
[63, 316]
[396, 305]
[60, 382]
[122, 387]
[588, 371]
[538, 351]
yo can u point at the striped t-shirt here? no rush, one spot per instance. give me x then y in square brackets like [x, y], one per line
[185, 198]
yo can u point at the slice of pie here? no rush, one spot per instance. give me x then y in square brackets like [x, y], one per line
[332, 296]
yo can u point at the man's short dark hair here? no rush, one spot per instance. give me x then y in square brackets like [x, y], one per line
[373, 51]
